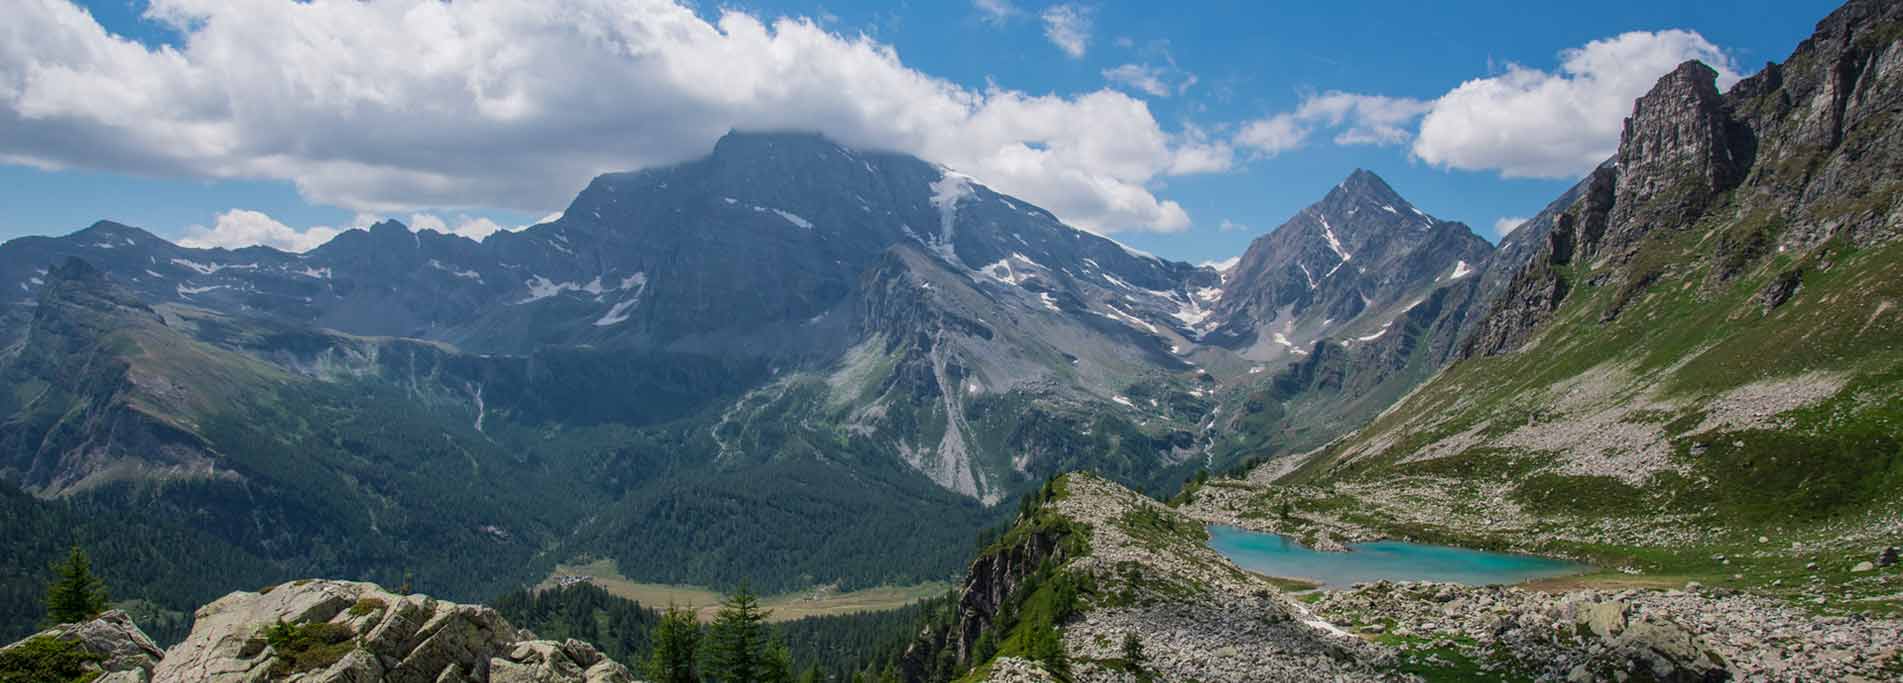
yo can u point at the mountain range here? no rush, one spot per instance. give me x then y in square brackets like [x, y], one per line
[807, 365]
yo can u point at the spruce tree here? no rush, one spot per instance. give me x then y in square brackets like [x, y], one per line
[76, 595]
[736, 647]
[676, 643]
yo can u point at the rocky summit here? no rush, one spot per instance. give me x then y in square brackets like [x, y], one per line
[336, 631]
[113, 648]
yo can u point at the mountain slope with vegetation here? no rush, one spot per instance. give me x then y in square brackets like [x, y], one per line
[1696, 376]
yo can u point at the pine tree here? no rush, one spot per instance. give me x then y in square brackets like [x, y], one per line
[676, 643]
[776, 665]
[736, 647]
[1134, 658]
[76, 595]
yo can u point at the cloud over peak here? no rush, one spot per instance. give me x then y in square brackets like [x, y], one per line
[401, 105]
[1524, 122]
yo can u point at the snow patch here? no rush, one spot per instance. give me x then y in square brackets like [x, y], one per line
[1460, 270]
[1049, 302]
[1328, 233]
[794, 219]
[208, 269]
[188, 291]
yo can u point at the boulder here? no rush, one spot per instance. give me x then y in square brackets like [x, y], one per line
[318, 631]
[1669, 652]
[125, 654]
[1863, 567]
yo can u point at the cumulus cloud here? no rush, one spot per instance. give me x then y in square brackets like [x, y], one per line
[1505, 225]
[407, 105]
[1533, 123]
[245, 228]
[1068, 27]
[1230, 226]
[1357, 119]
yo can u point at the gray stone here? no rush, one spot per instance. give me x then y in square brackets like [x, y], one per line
[128, 655]
[399, 639]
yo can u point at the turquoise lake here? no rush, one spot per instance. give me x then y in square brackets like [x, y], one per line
[1276, 555]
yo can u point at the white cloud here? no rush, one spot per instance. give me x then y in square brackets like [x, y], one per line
[1230, 226]
[1532, 123]
[1139, 77]
[1068, 27]
[1359, 120]
[1224, 265]
[1505, 225]
[472, 227]
[995, 12]
[245, 228]
[405, 105]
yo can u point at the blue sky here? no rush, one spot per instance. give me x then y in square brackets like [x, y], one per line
[1251, 62]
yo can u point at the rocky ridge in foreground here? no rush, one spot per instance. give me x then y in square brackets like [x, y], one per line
[321, 631]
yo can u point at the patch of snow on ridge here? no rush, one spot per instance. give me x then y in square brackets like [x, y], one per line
[208, 269]
[188, 291]
[542, 288]
[1328, 233]
[1124, 401]
[635, 280]
[1118, 314]
[794, 219]
[1292, 348]
[619, 313]
[1460, 270]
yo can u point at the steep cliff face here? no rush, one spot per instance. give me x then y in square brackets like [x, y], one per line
[1728, 185]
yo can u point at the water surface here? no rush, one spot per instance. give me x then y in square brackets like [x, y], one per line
[1277, 555]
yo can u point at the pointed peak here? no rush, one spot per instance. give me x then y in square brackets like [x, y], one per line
[1363, 186]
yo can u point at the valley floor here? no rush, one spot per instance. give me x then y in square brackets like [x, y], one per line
[818, 602]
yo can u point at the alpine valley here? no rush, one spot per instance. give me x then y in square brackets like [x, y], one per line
[806, 367]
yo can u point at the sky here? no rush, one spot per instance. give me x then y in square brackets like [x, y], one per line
[1185, 130]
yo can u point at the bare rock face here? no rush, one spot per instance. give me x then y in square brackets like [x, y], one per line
[127, 655]
[342, 631]
[1680, 148]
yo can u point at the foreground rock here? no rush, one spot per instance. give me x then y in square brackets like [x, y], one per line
[343, 631]
[125, 654]
[1666, 635]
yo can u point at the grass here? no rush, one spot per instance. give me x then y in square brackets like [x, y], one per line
[820, 601]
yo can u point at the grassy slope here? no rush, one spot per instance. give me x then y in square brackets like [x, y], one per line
[1816, 475]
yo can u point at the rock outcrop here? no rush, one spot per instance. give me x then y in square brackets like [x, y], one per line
[321, 631]
[124, 653]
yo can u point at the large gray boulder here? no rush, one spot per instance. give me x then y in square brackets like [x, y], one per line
[126, 654]
[321, 631]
